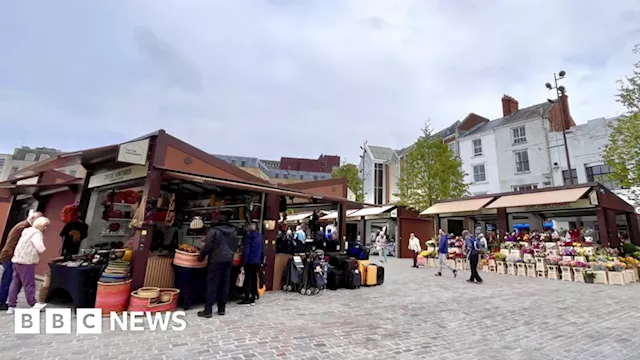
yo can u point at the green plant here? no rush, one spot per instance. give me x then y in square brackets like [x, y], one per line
[629, 249]
[500, 257]
[354, 181]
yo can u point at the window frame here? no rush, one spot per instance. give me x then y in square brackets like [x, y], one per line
[604, 179]
[528, 162]
[525, 187]
[522, 135]
[378, 183]
[44, 157]
[30, 157]
[474, 147]
[484, 173]
[566, 180]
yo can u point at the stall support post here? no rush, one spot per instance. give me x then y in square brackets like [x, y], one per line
[342, 222]
[142, 239]
[363, 229]
[270, 212]
[614, 239]
[503, 224]
[603, 229]
[84, 197]
[632, 225]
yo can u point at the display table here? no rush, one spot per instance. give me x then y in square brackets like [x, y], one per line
[80, 283]
[192, 283]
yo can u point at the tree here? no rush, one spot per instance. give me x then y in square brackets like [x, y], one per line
[430, 173]
[622, 152]
[354, 182]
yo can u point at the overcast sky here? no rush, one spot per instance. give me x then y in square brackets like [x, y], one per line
[271, 78]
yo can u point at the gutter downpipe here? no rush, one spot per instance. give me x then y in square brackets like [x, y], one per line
[546, 137]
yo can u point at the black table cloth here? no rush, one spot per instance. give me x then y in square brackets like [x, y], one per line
[192, 283]
[81, 283]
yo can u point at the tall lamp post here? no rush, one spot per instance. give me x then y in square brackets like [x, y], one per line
[560, 90]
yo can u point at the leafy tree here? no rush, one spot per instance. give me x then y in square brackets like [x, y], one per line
[622, 152]
[354, 182]
[430, 173]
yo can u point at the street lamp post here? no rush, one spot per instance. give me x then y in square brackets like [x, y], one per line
[560, 90]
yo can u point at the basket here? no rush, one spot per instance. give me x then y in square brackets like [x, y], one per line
[148, 292]
[188, 260]
[113, 296]
[137, 303]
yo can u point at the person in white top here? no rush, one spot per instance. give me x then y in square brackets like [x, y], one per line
[25, 258]
[414, 245]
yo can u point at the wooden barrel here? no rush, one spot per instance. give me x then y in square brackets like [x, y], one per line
[113, 296]
[188, 260]
[137, 303]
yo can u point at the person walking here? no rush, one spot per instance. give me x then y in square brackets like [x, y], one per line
[253, 256]
[25, 258]
[7, 253]
[414, 245]
[220, 245]
[443, 253]
[381, 243]
[472, 246]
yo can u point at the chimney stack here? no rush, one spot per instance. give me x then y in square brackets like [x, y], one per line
[509, 105]
[568, 120]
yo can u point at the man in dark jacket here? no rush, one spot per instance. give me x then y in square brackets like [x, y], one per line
[253, 257]
[472, 247]
[7, 254]
[220, 245]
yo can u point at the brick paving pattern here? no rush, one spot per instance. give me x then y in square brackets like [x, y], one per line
[414, 315]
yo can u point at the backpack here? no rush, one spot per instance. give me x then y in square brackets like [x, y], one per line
[475, 243]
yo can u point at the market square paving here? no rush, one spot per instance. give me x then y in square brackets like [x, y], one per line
[414, 315]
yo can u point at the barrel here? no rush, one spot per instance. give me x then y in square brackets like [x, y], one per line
[113, 296]
[188, 260]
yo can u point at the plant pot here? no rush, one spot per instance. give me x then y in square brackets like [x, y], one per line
[588, 280]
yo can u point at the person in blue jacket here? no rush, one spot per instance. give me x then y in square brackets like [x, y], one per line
[443, 253]
[253, 256]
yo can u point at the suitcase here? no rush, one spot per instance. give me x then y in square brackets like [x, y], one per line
[349, 265]
[371, 279]
[335, 279]
[362, 268]
[380, 275]
[337, 259]
[353, 280]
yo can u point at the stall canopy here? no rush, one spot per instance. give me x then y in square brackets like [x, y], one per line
[458, 206]
[299, 217]
[334, 215]
[235, 184]
[540, 198]
[371, 211]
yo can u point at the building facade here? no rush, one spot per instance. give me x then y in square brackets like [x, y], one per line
[26, 156]
[287, 170]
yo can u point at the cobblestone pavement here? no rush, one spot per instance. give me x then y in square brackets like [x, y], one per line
[414, 315]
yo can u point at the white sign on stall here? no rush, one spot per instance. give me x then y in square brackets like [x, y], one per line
[134, 152]
[28, 181]
[118, 175]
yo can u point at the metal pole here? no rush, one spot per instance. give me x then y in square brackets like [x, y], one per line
[564, 127]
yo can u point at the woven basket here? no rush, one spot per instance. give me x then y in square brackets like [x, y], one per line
[137, 303]
[113, 296]
[148, 292]
[47, 279]
[188, 260]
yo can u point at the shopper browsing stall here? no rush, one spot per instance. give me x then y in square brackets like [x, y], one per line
[220, 245]
[7, 254]
[253, 257]
[25, 259]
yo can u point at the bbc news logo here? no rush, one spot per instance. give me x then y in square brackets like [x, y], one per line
[90, 321]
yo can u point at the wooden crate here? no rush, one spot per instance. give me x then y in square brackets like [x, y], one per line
[616, 278]
[521, 269]
[567, 274]
[531, 270]
[500, 267]
[552, 271]
[578, 274]
[601, 277]
[511, 269]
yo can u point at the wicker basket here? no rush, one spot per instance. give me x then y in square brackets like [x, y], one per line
[188, 260]
[148, 292]
[113, 296]
[137, 303]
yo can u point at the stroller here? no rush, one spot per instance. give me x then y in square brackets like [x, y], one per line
[292, 278]
[314, 274]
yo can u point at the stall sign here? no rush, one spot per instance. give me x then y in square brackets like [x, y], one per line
[593, 198]
[378, 216]
[118, 175]
[89, 321]
[134, 152]
[28, 181]
[580, 204]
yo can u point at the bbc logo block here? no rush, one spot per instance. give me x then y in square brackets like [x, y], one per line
[58, 321]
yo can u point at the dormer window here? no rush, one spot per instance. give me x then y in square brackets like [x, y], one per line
[30, 157]
[44, 157]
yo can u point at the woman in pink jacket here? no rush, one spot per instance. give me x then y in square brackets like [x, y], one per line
[25, 258]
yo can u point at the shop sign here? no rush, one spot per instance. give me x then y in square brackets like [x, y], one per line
[119, 175]
[580, 204]
[89, 321]
[593, 198]
[378, 216]
[28, 181]
[134, 152]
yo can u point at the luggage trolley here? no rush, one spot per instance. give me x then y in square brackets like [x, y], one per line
[314, 274]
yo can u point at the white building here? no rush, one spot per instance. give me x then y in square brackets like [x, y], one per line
[25, 156]
[511, 153]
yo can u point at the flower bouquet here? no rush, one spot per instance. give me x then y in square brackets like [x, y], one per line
[500, 257]
[618, 266]
[579, 264]
[598, 266]
[553, 259]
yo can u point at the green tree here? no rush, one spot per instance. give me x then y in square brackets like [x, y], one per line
[354, 182]
[430, 173]
[622, 152]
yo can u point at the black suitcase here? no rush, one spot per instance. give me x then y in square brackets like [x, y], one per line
[335, 279]
[349, 265]
[353, 279]
[380, 275]
[337, 259]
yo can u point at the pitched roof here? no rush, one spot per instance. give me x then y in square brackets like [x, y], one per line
[530, 112]
[448, 131]
[381, 152]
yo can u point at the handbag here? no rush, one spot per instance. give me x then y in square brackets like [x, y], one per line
[240, 279]
[196, 223]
